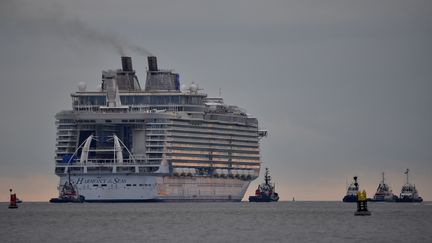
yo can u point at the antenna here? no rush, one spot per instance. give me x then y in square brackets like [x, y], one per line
[406, 172]
[220, 92]
[266, 177]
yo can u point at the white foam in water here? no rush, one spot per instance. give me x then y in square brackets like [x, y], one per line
[215, 222]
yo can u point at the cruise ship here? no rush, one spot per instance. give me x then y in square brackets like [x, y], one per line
[160, 142]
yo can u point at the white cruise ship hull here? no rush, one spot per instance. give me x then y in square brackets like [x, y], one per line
[137, 188]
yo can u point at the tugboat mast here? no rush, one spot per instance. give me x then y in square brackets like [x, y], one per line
[355, 182]
[406, 172]
[267, 178]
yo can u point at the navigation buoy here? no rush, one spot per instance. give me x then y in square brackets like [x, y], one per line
[13, 200]
[362, 204]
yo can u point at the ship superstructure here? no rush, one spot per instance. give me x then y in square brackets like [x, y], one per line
[157, 143]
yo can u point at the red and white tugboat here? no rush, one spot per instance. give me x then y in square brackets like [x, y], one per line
[266, 191]
[69, 193]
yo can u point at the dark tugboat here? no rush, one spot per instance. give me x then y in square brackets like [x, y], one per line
[266, 191]
[351, 195]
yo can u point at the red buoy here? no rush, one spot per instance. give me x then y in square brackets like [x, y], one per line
[13, 200]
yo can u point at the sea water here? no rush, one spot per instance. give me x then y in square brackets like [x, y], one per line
[215, 222]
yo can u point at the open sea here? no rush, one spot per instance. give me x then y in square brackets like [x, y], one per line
[215, 222]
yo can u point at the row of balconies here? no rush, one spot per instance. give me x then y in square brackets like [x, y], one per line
[214, 131]
[213, 125]
[212, 137]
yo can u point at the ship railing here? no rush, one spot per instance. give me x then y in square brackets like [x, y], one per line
[131, 108]
[107, 165]
[110, 162]
[141, 108]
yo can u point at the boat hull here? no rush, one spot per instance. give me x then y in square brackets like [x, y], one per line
[67, 200]
[409, 200]
[380, 200]
[154, 188]
[383, 199]
[350, 198]
[262, 199]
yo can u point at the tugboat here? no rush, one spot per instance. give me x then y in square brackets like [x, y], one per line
[409, 192]
[266, 191]
[69, 192]
[353, 189]
[383, 193]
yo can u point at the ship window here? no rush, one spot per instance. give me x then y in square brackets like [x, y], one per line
[134, 184]
[95, 185]
[128, 184]
[141, 184]
[104, 184]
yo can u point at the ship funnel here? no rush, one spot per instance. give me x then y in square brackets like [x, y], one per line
[152, 63]
[127, 64]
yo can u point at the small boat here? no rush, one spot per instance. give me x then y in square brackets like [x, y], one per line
[353, 189]
[68, 194]
[266, 191]
[18, 200]
[409, 192]
[383, 193]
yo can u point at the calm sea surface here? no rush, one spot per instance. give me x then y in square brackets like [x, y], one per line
[215, 222]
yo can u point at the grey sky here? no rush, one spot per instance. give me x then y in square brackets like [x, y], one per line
[344, 87]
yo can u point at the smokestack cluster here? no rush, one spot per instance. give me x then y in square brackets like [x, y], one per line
[127, 64]
[152, 63]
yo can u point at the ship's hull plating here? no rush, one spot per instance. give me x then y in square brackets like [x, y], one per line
[409, 200]
[383, 198]
[350, 198]
[149, 188]
[262, 198]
